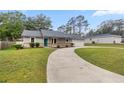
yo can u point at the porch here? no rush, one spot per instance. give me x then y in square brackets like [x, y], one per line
[57, 42]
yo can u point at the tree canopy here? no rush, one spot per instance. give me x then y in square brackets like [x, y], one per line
[109, 27]
[13, 23]
[38, 22]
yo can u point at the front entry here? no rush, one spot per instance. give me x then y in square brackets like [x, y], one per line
[45, 42]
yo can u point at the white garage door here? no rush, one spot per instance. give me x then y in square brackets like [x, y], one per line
[78, 43]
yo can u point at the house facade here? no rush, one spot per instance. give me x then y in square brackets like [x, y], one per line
[49, 38]
[104, 38]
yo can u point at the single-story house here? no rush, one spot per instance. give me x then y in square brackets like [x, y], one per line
[103, 38]
[50, 38]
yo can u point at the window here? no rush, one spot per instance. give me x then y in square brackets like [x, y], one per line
[32, 40]
[54, 41]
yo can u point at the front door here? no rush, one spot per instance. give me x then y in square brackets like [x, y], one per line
[45, 42]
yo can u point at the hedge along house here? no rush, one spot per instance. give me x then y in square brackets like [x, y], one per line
[104, 38]
[49, 38]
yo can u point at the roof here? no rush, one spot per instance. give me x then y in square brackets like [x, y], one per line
[31, 33]
[103, 36]
[49, 33]
[76, 37]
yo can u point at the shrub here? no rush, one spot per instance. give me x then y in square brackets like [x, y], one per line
[18, 46]
[72, 44]
[37, 44]
[66, 46]
[21, 47]
[93, 42]
[114, 42]
[58, 46]
[32, 45]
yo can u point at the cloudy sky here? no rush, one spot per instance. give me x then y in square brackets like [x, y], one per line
[60, 17]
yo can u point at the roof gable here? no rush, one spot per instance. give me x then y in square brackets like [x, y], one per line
[56, 34]
[31, 33]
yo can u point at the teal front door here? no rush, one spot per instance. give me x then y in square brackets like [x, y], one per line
[45, 42]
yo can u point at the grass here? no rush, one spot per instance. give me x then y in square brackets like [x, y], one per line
[105, 45]
[22, 66]
[111, 59]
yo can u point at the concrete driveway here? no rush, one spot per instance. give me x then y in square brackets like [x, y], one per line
[64, 66]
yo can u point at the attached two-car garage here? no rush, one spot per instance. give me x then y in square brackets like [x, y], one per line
[78, 43]
[77, 40]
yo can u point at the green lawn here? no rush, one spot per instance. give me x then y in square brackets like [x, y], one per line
[105, 45]
[26, 65]
[111, 59]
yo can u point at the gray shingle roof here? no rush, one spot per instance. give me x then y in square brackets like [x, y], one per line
[31, 33]
[49, 33]
[57, 34]
[76, 37]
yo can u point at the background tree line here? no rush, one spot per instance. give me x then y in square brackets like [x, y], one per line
[109, 27]
[13, 23]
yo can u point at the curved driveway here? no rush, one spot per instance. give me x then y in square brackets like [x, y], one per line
[64, 66]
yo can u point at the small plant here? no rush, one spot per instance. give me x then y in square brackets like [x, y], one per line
[18, 46]
[32, 45]
[37, 44]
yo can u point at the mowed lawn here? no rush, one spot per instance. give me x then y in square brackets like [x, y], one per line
[105, 45]
[111, 59]
[26, 65]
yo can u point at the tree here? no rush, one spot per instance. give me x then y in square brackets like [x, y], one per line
[72, 24]
[68, 28]
[76, 22]
[119, 27]
[81, 22]
[30, 23]
[38, 22]
[11, 25]
[62, 28]
[111, 27]
[90, 33]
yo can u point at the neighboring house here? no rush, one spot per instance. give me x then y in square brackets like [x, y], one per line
[49, 38]
[104, 38]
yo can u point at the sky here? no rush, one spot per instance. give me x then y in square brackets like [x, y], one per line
[60, 17]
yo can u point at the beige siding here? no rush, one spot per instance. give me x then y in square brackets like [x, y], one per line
[27, 41]
[40, 40]
[59, 42]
